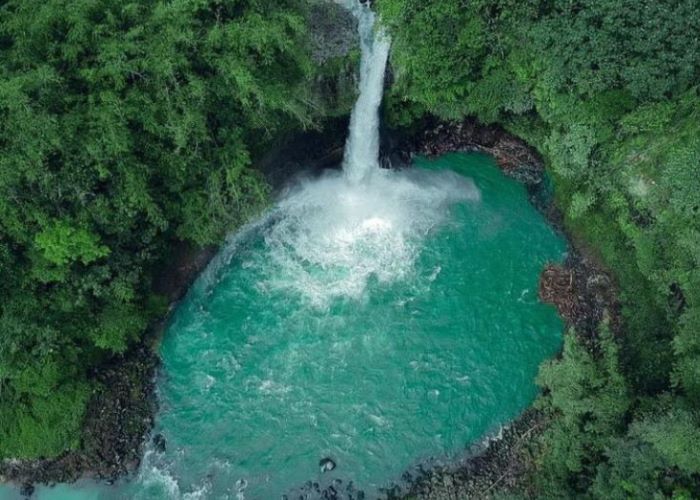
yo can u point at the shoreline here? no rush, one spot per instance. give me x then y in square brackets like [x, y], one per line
[119, 419]
[579, 288]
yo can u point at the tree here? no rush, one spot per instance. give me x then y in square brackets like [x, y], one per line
[125, 126]
[587, 398]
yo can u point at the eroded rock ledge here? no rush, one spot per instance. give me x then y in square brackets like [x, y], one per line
[513, 155]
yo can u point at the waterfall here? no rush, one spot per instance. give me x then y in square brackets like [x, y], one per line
[362, 146]
[328, 237]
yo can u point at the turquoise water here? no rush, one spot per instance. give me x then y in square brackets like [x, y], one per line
[399, 335]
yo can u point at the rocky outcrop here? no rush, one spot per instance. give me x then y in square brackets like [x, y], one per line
[335, 54]
[121, 412]
[435, 138]
[583, 294]
[333, 31]
[308, 152]
[493, 466]
[118, 417]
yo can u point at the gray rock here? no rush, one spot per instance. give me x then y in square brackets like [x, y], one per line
[333, 31]
[327, 464]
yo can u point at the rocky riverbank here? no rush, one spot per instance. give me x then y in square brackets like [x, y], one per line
[435, 138]
[581, 290]
[121, 412]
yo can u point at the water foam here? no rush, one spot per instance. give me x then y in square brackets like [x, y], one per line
[156, 480]
[326, 238]
[332, 236]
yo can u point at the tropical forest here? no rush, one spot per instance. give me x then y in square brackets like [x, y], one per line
[349, 249]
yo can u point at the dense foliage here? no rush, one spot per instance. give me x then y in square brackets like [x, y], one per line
[124, 126]
[607, 91]
[127, 125]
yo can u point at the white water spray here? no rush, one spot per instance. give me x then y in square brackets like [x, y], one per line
[328, 238]
[362, 147]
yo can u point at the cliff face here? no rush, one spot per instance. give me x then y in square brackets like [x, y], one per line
[335, 53]
[333, 31]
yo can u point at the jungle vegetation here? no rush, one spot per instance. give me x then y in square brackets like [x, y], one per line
[128, 125]
[608, 92]
[124, 126]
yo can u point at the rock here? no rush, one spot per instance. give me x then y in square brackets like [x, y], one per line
[327, 464]
[330, 493]
[117, 420]
[159, 443]
[513, 155]
[333, 31]
[27, 490]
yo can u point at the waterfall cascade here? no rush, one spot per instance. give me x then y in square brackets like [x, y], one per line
[332, 235]
[362, 147]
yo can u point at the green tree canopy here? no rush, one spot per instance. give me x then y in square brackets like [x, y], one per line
[125, 125]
